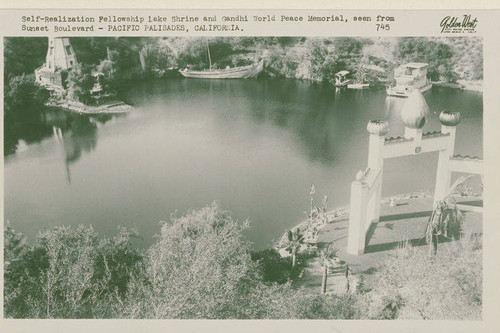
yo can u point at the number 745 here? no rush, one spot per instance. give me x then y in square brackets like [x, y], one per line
[383, 27]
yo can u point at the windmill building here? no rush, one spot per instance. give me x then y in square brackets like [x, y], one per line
[60, 58]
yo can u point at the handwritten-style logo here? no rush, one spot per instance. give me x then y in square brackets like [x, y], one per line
[453, 24]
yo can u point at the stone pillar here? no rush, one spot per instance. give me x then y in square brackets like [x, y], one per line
[378, 130]
[357, 218]
[449, 121]
[363, 211]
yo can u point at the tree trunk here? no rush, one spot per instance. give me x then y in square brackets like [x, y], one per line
[293, 258]
[433, 246]
[325, 277]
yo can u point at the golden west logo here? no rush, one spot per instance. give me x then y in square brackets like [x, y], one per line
[453, 24]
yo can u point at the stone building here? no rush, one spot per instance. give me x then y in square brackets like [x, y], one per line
[60, 58]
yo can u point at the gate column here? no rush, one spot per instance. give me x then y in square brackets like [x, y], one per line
[378, 129]
[449, 121]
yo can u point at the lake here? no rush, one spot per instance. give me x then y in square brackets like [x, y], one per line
[254, 146]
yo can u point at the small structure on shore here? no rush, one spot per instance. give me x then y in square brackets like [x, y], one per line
[60, 59]
[367, 188]
[341, 79]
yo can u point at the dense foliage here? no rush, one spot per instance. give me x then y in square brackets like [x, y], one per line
[22, 55]
[80, 82]
[22, 92]
[413, 285]
[200, 266]
[437, 55]
[316, 59]
[67, 273]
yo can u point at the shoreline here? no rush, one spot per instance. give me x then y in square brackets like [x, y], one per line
[476, 86]
[111, 107]
[343, 212]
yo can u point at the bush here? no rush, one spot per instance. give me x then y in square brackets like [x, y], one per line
[22, 92]
[200, 267]
[197, 268]
[274, 268]
[412, 285]
[67, 273]
[80, 81]
[155, 59]
[438, 55]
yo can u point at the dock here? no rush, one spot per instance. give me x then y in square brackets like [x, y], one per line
[111, 107]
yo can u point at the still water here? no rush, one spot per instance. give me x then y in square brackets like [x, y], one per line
[254, 146]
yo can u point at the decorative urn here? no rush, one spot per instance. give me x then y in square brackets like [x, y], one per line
[415, 110]
[378, 127]
[449, 118]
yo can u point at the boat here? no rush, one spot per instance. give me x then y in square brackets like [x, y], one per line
[409, 77]
[241, 72]
[358, 85]
[341, 79]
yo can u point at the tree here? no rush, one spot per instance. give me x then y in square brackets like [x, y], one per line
[68, 273]
[199, 267]
[325, 255]
[22, 55]
[347, 47]
[438, 55]
[445, 219]
[22, 92]
[109, 81]
[80, 81]
[155, 59]
[294, 241]
[13, 267]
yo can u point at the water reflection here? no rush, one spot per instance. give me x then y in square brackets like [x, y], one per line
[255, 146]
[28, 126]
[75, 134]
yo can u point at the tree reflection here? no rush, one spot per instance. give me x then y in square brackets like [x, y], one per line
[76, 134]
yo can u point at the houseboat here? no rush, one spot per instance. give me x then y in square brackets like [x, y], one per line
[409, 77]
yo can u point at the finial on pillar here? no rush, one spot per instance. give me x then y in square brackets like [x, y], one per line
[378, 127]
[415, 110]
[449, 118]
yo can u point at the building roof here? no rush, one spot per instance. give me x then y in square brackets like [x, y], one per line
[342, 73]
[416, 64]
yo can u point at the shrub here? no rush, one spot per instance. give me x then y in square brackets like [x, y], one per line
[22, 92]
[80, 81]
[412, 285]
[67, 273]
[274, 268]
[196, 269]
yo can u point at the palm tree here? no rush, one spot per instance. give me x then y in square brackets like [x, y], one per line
[295, 239]
[445, 217]
[325, 255]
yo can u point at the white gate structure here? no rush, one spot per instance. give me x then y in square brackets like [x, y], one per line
[366, 189]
